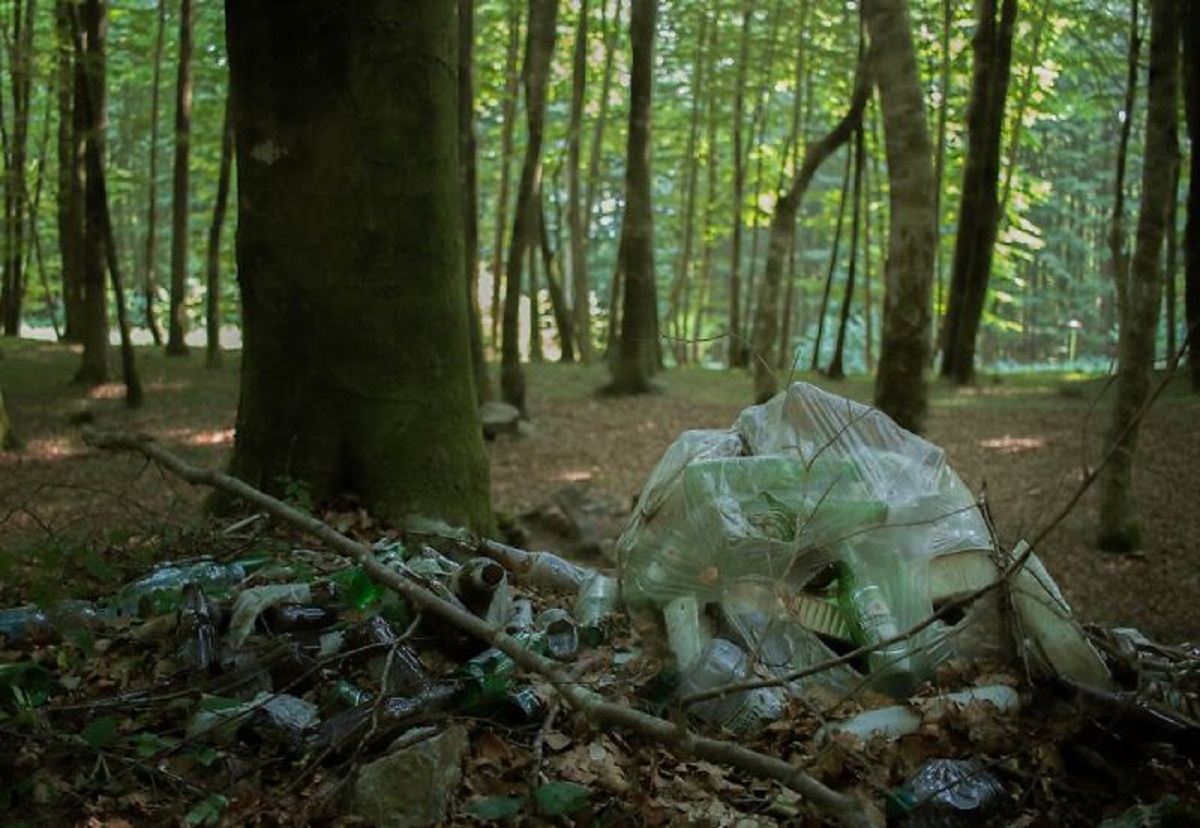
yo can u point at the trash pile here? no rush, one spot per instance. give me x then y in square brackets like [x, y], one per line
[814, 563]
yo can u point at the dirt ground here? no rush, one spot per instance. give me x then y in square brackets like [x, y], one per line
[1028, 441]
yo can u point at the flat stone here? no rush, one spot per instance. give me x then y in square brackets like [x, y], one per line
[413, 786]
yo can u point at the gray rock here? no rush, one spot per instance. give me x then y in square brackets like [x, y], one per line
[499, 418]
[413, 786]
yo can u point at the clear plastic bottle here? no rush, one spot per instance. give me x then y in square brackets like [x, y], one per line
[721, 664]
[869, 613]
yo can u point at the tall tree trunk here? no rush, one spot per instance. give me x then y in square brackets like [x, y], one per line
[16, 194]
[150, 270]
[681, 285]
[212, 301]
[350, 257]
[580, 299]
[539, 45]
[738, 350]
[469, 178]
[8, 438]
[1116, 231]
[949, 7]
[92, 119]
[596, 152]
[834, 252]
[901, 385]
[978, 215]
[508, 122]
[837, 370]
[1191, 235]
[177, 325]
[1120, 526]
[99, 216]
[558, 299]
[637, 350]
[783, 229]
[784, 360]
[69, 206]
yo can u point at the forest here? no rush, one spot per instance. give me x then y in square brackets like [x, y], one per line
[331, 321]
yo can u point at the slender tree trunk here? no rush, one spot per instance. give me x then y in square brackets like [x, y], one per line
[784, 362]
[1116, 232]
[1170, 302]
[469, 176]
[738, 352]
[150, 271]
[69, 205]
[837, 370]
[1120, 526]
[681, 285]
[712, 163]
[99, 215]
[949, 7]
[508, 124]
[535, 289]
[8, 438]
[637, 350]
[580, 297]
[177, 325]
[91, 107]
[558, 299]
[834, 253]
[596, 153]
[16, 194]
[901, 385]
[539, 44]
[1191, 235]
[212, 302]
[783, 229]
[979, 217]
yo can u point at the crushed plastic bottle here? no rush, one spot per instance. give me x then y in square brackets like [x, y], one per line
[723, 663]
[947, 793]
[594, 605]
[162, 590]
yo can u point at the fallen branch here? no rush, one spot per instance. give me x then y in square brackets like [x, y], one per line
[599, 711]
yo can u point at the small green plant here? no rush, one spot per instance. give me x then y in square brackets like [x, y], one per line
[296, 493]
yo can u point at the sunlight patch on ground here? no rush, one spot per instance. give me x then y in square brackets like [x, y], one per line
[51, 448]
[107, 391]
[574, 476]
[218, 437]
[1013, 445]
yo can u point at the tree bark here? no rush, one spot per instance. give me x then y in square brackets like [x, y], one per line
[177, 325]
[783, 230]
[979, 215]
[1116, 230]
[69, 206]
[836, 368]
[901, 385]
[212, 301]
[470, 193]
[738, 352]
[18, 221]
[92, 121]
[8, 438]
[1190, 33]
[580, 297]
[350, 257]
[508, 124]
[539, 45]
[1120, 526]
[150, 270]
[637, 349]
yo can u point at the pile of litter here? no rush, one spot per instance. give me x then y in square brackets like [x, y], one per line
[814, 582]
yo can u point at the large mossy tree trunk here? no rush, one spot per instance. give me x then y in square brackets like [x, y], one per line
[636, 358]
[356, 370]
[901, 386]
[1120, 529]
[539, 46]
[979, 214]
[177, 325]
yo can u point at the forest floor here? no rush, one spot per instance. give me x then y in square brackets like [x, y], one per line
[78, 521]
[1028, 440]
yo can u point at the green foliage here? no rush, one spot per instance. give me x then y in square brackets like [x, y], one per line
[207, 811]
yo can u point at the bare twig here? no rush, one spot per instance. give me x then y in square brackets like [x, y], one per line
[846, 809]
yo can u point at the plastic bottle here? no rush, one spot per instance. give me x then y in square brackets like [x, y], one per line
[945, 793]
[723, 663]
[871, 621]
[596, 601]
[162, 590]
